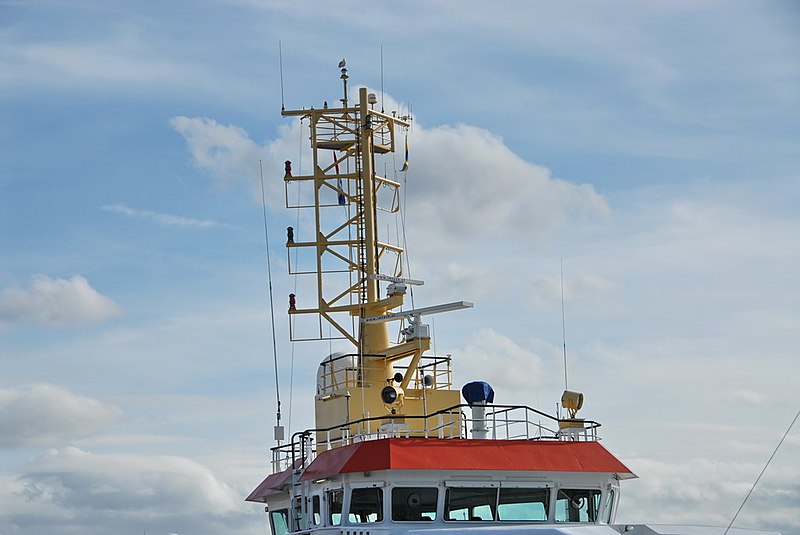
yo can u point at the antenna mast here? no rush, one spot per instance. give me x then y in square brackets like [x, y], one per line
[352, 264]
[355, 134]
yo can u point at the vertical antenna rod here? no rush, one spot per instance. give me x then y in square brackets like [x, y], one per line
[564, 326]
[344, 77]
[382, 111]
[280, 62]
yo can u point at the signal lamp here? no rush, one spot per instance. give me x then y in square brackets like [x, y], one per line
[392, 397]
[572, 401]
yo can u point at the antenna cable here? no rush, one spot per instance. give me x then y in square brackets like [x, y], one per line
[762, 472]
[271, 300]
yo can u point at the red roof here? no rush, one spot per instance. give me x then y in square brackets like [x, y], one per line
[271, 485]
[462, 454]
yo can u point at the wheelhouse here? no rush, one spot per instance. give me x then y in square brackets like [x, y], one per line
[399, 483]
[374, 501]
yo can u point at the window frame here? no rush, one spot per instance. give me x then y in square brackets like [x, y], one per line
[592, 491]
[547, 491]
[284, 513]
[492, 506]
[381, 510]
[423, 518]
[328, 518]
[316, 510]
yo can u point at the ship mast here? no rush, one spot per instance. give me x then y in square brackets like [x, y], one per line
[353, 134]
[350, 261]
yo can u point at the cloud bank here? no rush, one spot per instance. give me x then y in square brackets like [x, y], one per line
[63, 302]
[153, 493]
[668, 493]
[46, 415]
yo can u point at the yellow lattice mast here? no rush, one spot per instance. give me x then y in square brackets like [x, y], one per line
[380, 378]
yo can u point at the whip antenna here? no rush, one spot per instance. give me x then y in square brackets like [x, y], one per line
[563, 326]
[278, 426]
[280, 65]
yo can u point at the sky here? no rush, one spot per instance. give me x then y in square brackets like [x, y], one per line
[651, 148]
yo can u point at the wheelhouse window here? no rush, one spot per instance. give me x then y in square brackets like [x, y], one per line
[335, 499]
[467, 503]
[503, 504]
[316, 515]
[366, 505]
[279, 521]
[577, 505]
[414, 503]
[523, 504]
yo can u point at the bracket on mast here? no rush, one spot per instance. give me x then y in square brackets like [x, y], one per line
[389, 278]
[417, 312]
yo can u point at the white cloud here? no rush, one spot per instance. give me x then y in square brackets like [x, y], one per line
[668, 493]
[493, 357]
[164, 219]
[229, 155]
[49, 301]
[129, 482]
[225, 152]
[46, 415]
[547, 291]
[70, 490]
[466, 187]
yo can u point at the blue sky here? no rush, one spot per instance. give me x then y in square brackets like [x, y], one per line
[651, 146]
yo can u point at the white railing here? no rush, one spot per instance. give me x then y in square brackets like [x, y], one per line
[500, 422]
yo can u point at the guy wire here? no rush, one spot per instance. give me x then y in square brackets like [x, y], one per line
[271, 300]
[762, 472]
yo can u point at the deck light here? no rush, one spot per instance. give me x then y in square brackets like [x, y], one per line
[389, 395]
[392, 397]
[572, 401]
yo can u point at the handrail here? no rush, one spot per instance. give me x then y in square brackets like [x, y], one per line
[499, 417]
[335, 377]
